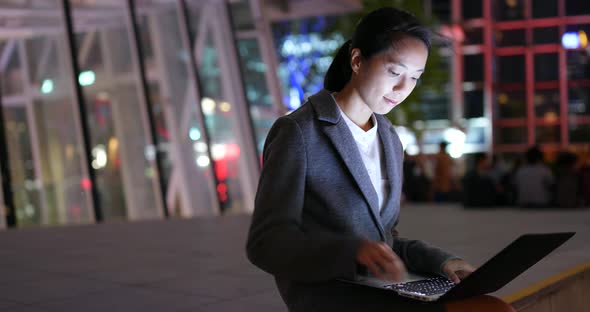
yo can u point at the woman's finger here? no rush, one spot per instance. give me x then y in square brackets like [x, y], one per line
[462, 274]
[375, 269]
[452, 276]
[386, 251]
[394, 269]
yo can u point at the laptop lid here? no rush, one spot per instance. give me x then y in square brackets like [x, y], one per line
[505, 266]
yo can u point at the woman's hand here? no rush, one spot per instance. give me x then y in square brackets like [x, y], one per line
[381, 261]
[457, 269]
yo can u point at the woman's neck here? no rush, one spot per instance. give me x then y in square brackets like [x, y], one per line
[354, 107]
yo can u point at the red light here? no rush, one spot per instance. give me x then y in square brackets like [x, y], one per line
[221, 170]
[86, 184]
[222, 191]
[222, 188]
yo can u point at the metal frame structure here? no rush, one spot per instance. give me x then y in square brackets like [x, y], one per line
[216, 22]
[192, 46]
[146, 111]
[7, 204]
[264, 37]
[528, 23]
[233, 89]
[242, 95]
[179, 186]
[81, 110]
[33, 129]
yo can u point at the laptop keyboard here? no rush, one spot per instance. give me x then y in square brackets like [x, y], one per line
[431, 286]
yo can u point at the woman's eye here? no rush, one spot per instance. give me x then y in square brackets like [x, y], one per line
[394, 73]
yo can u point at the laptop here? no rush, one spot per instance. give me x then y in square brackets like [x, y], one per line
[513, 260]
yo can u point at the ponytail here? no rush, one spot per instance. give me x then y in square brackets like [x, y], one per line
[339, 72]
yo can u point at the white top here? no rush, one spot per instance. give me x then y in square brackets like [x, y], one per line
[533, 184]
[371, 152]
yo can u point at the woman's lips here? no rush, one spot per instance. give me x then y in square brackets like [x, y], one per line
[392, 102]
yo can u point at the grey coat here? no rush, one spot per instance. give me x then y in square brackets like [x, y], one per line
[315, 204]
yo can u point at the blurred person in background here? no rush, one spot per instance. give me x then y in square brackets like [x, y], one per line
[507, 183]
[499, 172]
[567, 181]
[479, 189]
[534, 181]
[497, 168]
[443, 183]
[416, 183]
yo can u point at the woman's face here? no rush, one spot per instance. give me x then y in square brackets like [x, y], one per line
[386, 79]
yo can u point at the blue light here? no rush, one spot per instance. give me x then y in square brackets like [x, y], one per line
[194, 134]
[305, 55]
[570, 40]
[86, 78]
[47, 86]
[294, 100]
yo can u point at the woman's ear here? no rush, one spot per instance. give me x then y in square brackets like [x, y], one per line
[355, 60]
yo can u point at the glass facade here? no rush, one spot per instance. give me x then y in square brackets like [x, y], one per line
[49, 182]
[229, 143]
[170, 131]
[182, 139]
[532, 70]
[123, 156]
[259, 98]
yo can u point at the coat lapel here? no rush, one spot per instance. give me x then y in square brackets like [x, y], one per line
[392, 161]
[342, 139]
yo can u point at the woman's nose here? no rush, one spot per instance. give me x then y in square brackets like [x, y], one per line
[400, 85]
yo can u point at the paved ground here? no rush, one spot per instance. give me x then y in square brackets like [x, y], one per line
[199, 264]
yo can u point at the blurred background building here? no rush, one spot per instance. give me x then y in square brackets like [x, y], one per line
[147, 109]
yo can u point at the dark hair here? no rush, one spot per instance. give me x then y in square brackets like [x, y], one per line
[566, 160]
[374, 33]
[534, 155]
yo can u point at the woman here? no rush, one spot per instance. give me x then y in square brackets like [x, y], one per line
[329, 193]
